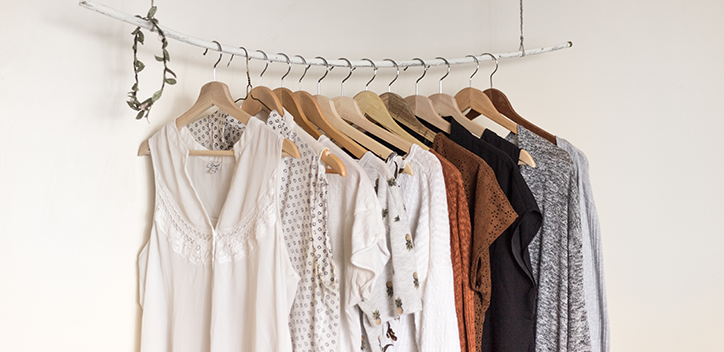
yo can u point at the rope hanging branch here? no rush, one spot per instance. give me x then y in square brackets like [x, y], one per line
[170, 33]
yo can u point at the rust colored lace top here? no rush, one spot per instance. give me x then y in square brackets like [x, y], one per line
[490, 214]
[460, 248]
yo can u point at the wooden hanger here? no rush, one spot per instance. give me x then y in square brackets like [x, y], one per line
[349, 111]
[421, 105]
[291, 104]
[372, 106]
[502, 104]
[217, 94]
[402, 113]
[445, 105]
[475, 100]
[316, 115]
[261, 98]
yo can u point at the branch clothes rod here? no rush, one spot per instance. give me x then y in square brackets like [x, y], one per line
[170, 33]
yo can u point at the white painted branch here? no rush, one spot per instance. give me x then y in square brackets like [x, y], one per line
[253, 54]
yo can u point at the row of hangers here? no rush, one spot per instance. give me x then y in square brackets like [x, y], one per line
[379, 115]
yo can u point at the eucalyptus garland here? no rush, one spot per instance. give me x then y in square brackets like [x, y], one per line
[144, 107]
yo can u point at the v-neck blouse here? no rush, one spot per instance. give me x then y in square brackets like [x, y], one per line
[224, 287]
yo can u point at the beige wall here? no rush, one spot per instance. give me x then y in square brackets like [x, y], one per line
[640, 93]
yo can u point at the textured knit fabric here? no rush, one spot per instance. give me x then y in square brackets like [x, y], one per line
[358, 239]
[490, 212]
[314, 318]
[214, 275]
[593, 280]
[556, 252]
[461, 237]
[397, 291]
[435, 327]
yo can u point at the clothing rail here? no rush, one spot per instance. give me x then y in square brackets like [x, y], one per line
[170, 33]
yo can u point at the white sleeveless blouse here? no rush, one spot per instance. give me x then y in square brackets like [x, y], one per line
[214, 275]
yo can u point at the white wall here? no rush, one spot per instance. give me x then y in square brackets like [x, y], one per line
[640, 93]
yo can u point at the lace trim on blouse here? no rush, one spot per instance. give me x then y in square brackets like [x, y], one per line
[197, 246]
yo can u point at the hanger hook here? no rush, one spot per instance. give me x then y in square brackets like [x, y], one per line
[248, 76]
[448, 71]
[306, 67]
[374, 75]
[351, 69]
[496, 67]
[477, 67]
[289, 69]
[261, 75]
[425, 66]
[389, 86]
[326, 65]
[219, 60]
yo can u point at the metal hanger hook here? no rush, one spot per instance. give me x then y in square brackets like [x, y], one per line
[217, 61]
[306, 67]
[477, 67]
[261, 75]
[448, 71]
[248, 76]
[425, 66]
[496, 67]
[374, 75]
[389, 86]
[289, 69]
[351, 69]
[326, 65]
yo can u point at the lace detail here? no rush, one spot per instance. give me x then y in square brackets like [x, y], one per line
[185, 239]
[197, 246]
[242, 239]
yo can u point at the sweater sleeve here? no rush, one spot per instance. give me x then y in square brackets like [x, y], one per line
[579, 338]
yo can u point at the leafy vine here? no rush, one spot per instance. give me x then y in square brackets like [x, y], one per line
[144, 107]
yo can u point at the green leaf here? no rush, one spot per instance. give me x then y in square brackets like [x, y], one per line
[132, 106]
[135, 87]
[166, 55]
[171, 72]
[138, 29]
[165, 43]
[140, 37]
[170, 81]
[152, 12]
[158, 58]
[140, 115]
[156, 95]
[139, 66]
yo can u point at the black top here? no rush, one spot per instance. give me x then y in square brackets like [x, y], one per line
[510, 319]
[501, 143]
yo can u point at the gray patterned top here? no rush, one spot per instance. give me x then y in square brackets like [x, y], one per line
[594, 284]
[556, 251]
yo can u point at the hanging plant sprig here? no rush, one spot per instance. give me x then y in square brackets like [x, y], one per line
[144, 107]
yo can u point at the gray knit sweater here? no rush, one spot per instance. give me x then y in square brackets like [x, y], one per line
[556, 251]
[593, 281]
